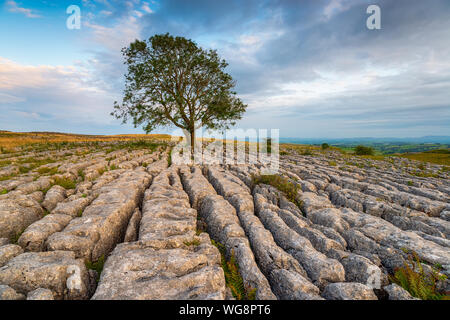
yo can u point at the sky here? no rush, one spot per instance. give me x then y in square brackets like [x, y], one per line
[310, 68]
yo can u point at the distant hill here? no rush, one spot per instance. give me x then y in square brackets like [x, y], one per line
[363, 140]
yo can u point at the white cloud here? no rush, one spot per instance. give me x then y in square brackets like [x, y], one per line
[146, 8]
[60, 93]
[14, 7]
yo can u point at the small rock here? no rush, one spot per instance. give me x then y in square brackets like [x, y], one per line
[395, 292]
[348, 291]
[8, 252]
[8, 293]
[40, 294]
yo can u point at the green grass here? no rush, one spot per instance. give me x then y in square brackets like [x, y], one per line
[97, 266]
[66, 183]
[4, 191]
[233, 277]
[25, 169]
[7, 177]
[102, 170]
[289, 190]
[47, 170]
[417, 282]
[81, 174]
[169, 158]
[194, 243]
[15, 238]
[5, 163]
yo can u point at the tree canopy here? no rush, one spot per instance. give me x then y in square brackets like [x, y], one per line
[172, 81]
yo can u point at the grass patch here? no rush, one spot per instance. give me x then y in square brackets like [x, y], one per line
[114, 167]
[233, 278]
[194, 242]
[4, 191]
[47, 170]
[169, 158]
[25, 169]
[65, 183]
[6, 177]
[15, 238]
[102, 170]
[441, 158]
[81, 174]
[97, 266]
[413, 278]
[283, 184]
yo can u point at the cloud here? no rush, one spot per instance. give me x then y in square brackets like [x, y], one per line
[309, 67]
[146, 8]
[14, 7]
[51, 96]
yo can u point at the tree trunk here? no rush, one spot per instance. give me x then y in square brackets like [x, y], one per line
[192, 142]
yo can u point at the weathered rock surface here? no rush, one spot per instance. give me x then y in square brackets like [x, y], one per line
[34, 237]
[395, 292]
[348, 291]
[104, 222]
[8, 293]
[17, 214]
[57, 271]
[135, 271]
[53, 196]
[133, 226]
[352, 223]
[40, 294]
[9, 251]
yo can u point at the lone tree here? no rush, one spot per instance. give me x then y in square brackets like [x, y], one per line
[172, 81]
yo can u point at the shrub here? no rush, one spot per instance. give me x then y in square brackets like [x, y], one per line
[24, 169]
[364, 151]
[307, 152]
[417, 282]
[325, 146]
[65, 183]
[283, 184]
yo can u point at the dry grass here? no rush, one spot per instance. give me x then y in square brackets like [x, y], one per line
[11, 140]
[437, 158]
